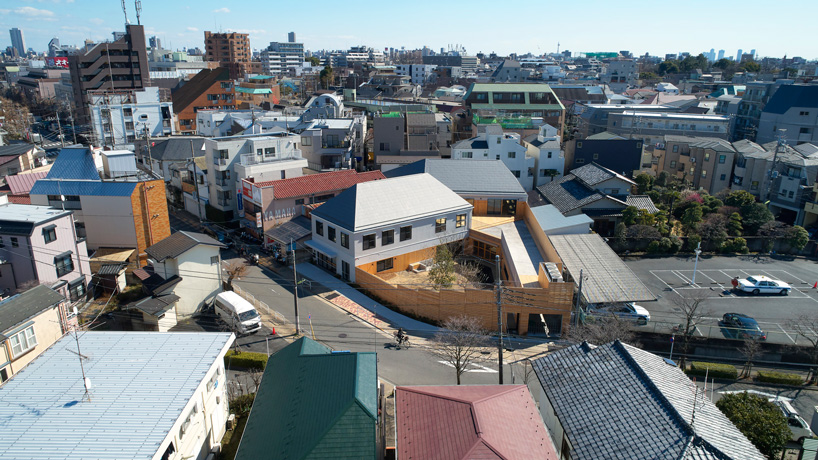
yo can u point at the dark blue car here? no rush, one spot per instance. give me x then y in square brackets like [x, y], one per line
[738, 326]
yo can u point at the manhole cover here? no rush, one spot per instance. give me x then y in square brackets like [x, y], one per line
[342, 336]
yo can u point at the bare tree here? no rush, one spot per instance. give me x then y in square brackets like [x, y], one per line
[528, 371]
[602, 330]
[692, 310]
[805, 326]
[750, 351]
[461, 342]
[235, 271]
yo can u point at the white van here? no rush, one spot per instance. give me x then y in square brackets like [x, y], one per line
[238, 313]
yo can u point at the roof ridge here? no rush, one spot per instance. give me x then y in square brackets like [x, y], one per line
[436, 395]
[480, 440]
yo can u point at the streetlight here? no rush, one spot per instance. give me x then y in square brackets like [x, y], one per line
[695, 265]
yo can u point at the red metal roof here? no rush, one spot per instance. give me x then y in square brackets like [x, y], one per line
[318, 184]
[21, 184]
[468, 422]
[19, 199]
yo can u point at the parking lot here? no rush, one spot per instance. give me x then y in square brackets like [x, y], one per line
[672, 277]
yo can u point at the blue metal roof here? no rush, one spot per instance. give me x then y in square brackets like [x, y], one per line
[788, 96]
[82, 188]
[74, 163]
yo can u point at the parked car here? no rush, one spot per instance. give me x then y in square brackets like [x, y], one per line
[763, 285]
[798, 426]
[738, 326]
[628, 311]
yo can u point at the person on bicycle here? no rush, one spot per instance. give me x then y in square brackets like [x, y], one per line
[400, 335]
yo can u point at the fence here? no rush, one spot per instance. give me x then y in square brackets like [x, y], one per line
[258, 304]
[716, 331]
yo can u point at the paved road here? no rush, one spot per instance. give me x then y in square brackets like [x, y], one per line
[672, 277]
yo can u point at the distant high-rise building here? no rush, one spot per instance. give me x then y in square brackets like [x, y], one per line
[280, 57]
[291, 37]
[155, 42]
[721, 55]
[54, 47]
[18, 42]
[738, 55]
[753, 53]
[230, 50]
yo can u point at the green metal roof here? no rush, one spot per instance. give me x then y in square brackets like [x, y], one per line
[261, 77]
[313, 403]
[240, 89]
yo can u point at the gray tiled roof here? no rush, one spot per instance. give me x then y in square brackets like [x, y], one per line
[569, 193]
[177, 149]
[467, 177]
[719, 145]
[642, 202]
[618, 402]
[15, 149]
[19, 308]
[593, 174]
[178, 243]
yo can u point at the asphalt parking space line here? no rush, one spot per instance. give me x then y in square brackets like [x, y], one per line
[663, 281]
[785, 332]
[795, 277]
[712, 281]
[684, 278]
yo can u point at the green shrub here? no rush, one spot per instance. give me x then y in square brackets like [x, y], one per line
[713, 370]
[245, 359]
[779, 377]
[241, 405]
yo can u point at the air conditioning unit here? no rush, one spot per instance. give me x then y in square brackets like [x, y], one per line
[231, 421]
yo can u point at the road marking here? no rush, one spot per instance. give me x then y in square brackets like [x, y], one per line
[480, 369]
[663, 281]
[687, 280]
[785, 332]
[795, 277]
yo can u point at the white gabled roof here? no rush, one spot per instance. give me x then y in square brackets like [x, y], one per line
[390, 201]
[141, 383]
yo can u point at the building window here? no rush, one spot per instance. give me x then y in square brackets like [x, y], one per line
[461, 221]
[299, 201]
[549, 154]
[722, 159]
[580, 161]
[579, 145]
[369, 241]
[675, 149]
[23, 341]
[440, 225]
[344, 240]
[803, 131]
[306, 140]
[754, 185]
[484, 251]
[50, 234]
[723, 177]
[672, 164]
[803, 114]
[384, 146]
[596, 156]
[512, 154]
[2, 242]
[790, 194]
[270, 152]
[331, 233]
[387, 237]
[214, 260]
[516, 173]
[319, 228]
[406, 233]
[14, 242]
[466, 155]
[64, 264]
[385, 264]
[704, 174]
[127, 112]
[77, 290]
[707, 156]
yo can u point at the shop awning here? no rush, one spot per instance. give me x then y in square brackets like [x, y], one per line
[322, 248]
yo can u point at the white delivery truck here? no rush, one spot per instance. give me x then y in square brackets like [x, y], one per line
[239, 315]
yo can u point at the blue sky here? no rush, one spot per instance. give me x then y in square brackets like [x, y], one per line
[502, 26]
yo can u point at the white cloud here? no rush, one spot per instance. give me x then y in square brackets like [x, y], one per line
[96, 21]
[221, 10]
[192, 29]
[34, 13]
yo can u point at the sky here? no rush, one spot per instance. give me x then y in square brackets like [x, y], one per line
[501, 26]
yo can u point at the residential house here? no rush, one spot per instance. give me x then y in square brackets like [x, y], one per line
[109, 397]
[548, 152]
[510, 71]
[553, 222]
[421, 74]
[327, 401]
[652, 127]
[514, 103]
[119, 118]
[495, 144]
[17, 157]
[263, 157]
[208, 89]
[128, 212]
[162, 153]
[654, 406]
[793, 109]
[598, 192]
[470, 421]
[39, 244]
[617, 153]
[188, 187]
[402, 138]
[487, 185]
[579, 94]
[756, 96]
[275, 202]
[29, 323]
[18, 186]
[619, 74]
[705, 162]
[194, 260]
[383, 226]
[751, 168]
[795, 169]
[333, 143]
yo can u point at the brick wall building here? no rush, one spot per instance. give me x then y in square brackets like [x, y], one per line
[230, 50]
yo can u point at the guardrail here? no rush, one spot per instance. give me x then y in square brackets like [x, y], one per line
[715, 331]
[258, 304]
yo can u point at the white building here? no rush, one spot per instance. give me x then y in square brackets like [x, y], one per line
[263, 157]
[147, 395]
[383, 226]
[194, 258]
[421, 74]
[191, 180]
[119, 118]
[545, 147]
[281, 57]
[652, 127]
[494, 144]
[668, 88]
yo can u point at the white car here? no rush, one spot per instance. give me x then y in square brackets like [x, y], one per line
[628, 311]
[798, 426]
[763, 285]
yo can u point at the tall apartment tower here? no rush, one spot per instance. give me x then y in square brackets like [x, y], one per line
[721, 55]
[18, 42]
[738, 55]
[291, 37]
[230, 50]
[118, 65]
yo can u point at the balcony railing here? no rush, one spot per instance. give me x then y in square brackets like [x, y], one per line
[249, 159]
[220, 161]
[222, 182]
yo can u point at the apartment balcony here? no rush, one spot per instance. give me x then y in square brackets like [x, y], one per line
[250, 159]
[223, 182]
[811, 207]
[220, 161]
[188, 187]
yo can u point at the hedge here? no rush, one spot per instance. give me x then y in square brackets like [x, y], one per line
[245, 359]
[713, 370]
[242, 404]
[779, 377]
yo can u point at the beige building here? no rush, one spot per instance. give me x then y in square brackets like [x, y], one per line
[704, 162]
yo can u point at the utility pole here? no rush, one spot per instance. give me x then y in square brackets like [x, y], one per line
[779, 148]
[579, 296]
[59, 128]
[196, 184]
[71, 117]
[148, 144]
[499, 319]
[295, 291]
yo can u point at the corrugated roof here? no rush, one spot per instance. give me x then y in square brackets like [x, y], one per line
[177, 148]
[607, 278]
[551, 219]
[82, 188]
[74, 163]
[382, 202]
[178, 243]
[319, 184]
[468, 177]
[15, 150]
[470, 422]
[618, 402]
[292, 230]
[313, 403]
[20, 184]
[155, 305]
[21, 307]
[141, 385]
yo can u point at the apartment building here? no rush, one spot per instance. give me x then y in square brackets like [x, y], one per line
[495, 144]
[282, 57]
[515, 101]
[210, 89]
[333, 143]
[704, 162]
[625, 156]
[620, 74]
[793, 111]
[119, 118]
[421, 74]
[652, 127]
[593, 118]
[231, 50]
[262, 157]
[405, 137]
[755, 98]
[120, 64]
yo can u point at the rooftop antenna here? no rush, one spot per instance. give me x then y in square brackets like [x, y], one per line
[138, 11]
[125, 11]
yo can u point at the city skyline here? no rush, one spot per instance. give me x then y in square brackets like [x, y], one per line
[179, 25]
